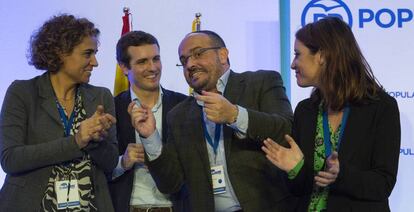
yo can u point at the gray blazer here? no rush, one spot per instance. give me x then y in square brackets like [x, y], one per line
[256, 182]
[32, 142]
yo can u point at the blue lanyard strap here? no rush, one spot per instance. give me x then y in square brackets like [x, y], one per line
[217, 134]
[327, 134]
[66, 123]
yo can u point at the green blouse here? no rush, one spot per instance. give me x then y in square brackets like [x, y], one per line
[319, 196]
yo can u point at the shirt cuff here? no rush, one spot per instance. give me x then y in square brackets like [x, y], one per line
[118, 171]
[152, 145]
[294, 172]
[242, 122]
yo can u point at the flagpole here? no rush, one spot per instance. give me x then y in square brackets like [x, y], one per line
[121, 81]
[195, 27]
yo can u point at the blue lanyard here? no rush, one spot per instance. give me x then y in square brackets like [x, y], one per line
[327, 134]
[217, 134]
[66, 123]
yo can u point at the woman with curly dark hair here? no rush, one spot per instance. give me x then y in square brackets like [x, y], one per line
[346, 137]
[57, 133]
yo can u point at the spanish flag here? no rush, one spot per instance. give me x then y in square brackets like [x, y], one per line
[121, 81]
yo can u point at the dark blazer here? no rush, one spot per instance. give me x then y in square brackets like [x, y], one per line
[368, 155]
[256, 182]
[121, 187]
[32, 142]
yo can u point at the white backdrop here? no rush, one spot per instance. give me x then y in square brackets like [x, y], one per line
[384, 31]
[246, 33]
[250, 30]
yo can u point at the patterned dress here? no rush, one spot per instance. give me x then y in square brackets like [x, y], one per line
[319, 196]
[78, 169]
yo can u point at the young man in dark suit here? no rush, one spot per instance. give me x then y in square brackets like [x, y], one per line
[132, 187]
[215, 138]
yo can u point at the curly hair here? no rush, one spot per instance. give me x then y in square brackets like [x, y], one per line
[56, 37]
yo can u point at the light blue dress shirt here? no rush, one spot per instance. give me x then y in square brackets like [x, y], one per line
[145, 192]
[226, 201]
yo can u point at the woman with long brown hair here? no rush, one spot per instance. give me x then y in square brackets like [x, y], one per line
[345, 142]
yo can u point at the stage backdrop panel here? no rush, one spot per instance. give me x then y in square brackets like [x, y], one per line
[250, 30]
[384, 31]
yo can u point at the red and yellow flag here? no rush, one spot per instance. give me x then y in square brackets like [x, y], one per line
[121, 81]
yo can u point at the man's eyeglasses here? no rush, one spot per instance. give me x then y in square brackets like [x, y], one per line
[196, 54]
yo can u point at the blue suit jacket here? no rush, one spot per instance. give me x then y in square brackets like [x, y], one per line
[121, 187]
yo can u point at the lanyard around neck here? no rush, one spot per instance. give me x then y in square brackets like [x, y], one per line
[67, 123]
[327, 134]
[217, 133]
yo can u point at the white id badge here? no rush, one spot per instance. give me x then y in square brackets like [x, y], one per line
[64, 188]
[217, 176]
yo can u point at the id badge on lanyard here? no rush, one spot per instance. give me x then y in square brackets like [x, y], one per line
[217, 172]
[67, 190]
[218, 179]
[67, 194]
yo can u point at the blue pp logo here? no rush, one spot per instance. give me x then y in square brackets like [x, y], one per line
[318, 9]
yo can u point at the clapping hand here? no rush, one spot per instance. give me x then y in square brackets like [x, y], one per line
[94, 128]
[284, 158]
[327, 177]
[133, 154]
